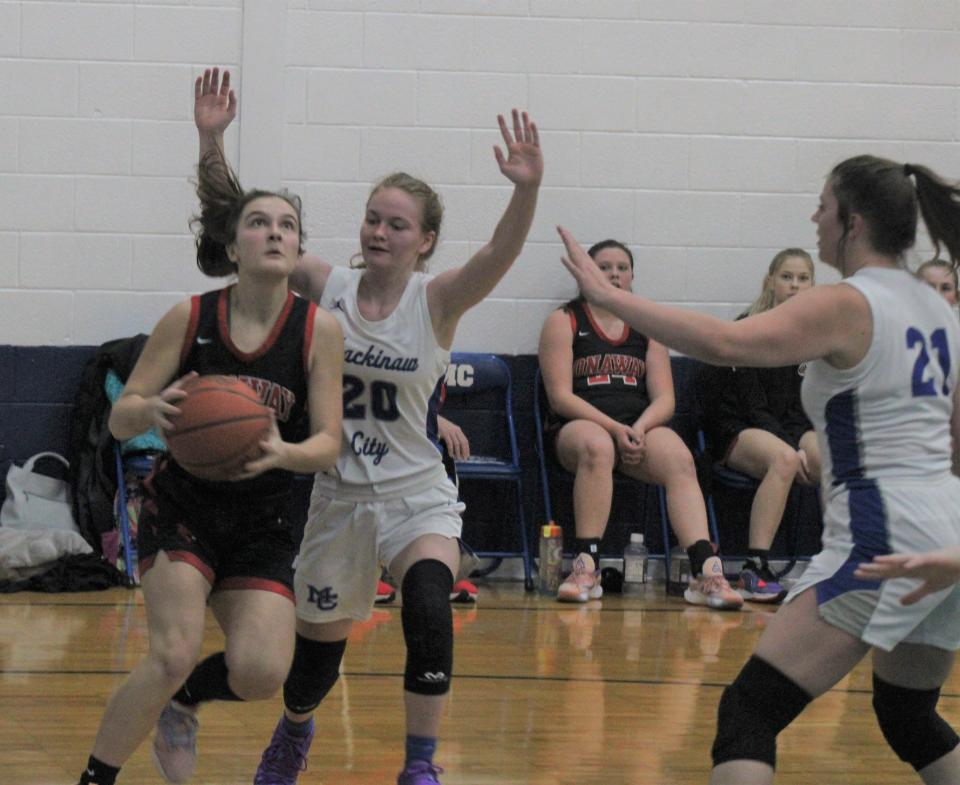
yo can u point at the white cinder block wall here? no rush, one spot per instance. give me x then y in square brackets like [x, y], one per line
[697, 131]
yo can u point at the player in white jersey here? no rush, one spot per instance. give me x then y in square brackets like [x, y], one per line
[882, 352]
[389, 500]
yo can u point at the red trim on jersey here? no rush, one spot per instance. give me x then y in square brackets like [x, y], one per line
[308, 337]
[599, 330]
[223, 306]
[240, 583]
[192, 325]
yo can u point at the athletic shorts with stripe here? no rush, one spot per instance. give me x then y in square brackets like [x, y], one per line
[346, 542]
[235, 543]
[866, 518]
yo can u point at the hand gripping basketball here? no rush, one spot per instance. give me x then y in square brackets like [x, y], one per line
[219, 428]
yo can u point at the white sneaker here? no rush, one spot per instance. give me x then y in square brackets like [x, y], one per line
[175, 743]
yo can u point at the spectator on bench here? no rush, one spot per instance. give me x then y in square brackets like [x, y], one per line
[757, 426]
[610, 391]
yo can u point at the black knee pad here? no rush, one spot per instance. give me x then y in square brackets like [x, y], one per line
[315, 669]
[759, 704]
[910, 723]
[427, 627]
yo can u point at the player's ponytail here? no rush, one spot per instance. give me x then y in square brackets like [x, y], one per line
[940, 207]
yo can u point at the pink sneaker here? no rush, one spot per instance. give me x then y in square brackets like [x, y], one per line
[583, 583]
[710, 588]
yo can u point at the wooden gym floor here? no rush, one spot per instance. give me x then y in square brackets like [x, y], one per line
[622, 690]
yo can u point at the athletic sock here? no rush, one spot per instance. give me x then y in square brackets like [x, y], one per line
[297, 728]
[699, 552]
[590, 546]
[420, 748]
[99, 773]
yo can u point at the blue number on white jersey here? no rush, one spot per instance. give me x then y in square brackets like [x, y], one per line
[922, 383]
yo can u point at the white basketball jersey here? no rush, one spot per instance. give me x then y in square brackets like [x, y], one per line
[888, 418]
[391, 391]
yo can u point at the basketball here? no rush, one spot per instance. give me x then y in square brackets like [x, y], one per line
[219, 428]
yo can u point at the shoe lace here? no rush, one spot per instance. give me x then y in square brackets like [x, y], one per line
[283, 756]
[714, 584]
[429, 768]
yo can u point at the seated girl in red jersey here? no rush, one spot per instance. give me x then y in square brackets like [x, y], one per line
[611, 395]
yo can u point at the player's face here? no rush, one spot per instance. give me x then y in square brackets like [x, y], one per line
[829, 228]
[268, 236]
[391, 235]
[792, 278]
[615, 265]
[942, 282]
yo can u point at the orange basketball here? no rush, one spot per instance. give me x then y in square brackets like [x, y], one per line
[219, 428]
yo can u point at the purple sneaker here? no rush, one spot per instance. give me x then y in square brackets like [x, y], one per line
[284, 758]
[756, 586]
[419, 772]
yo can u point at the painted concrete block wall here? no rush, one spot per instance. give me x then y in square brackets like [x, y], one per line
[698, 132]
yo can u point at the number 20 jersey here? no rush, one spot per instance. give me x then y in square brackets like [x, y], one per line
[391, 392]
[888, 417]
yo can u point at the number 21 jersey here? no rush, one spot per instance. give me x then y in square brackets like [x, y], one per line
[888, 417]
[392, 371]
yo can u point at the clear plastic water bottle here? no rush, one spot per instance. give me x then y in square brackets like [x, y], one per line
[635, 557]
[551, 558]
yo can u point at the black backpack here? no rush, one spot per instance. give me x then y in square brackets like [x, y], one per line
[93, 475]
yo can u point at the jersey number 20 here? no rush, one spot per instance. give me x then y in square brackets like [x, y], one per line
[938, 342]
[383, 399]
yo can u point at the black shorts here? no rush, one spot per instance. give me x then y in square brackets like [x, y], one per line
[234, 542]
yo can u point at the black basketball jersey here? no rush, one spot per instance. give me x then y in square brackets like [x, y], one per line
[277, 370]
[608, 372]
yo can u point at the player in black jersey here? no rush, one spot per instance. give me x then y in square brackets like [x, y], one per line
[223, 542]
[611, 396]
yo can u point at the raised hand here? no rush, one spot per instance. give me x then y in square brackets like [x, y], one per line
[938, 570]
[593, 284]
[214, 103]
[523, 164]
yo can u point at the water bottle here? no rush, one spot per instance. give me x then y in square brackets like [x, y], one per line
[551, 558]
[635, 557]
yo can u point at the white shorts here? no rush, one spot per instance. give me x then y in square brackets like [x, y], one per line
[872, 518]
[346, 542]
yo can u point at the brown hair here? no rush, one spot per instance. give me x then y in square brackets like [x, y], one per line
[222, 201]
[431, 209]
[765, 301]
[883, 192]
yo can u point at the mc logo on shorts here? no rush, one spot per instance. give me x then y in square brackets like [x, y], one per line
[323, 598]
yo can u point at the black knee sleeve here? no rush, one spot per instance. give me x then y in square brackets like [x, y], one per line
[315, 669]
[910, 723]
[209, 681]
[427, 627]
[759, 704]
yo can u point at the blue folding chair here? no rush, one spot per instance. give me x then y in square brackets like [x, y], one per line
[480, 390]
[550, 468]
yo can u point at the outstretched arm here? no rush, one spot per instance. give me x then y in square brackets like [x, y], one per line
[938, 570]
[452, 292]
[832, 322]
[214, 107]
